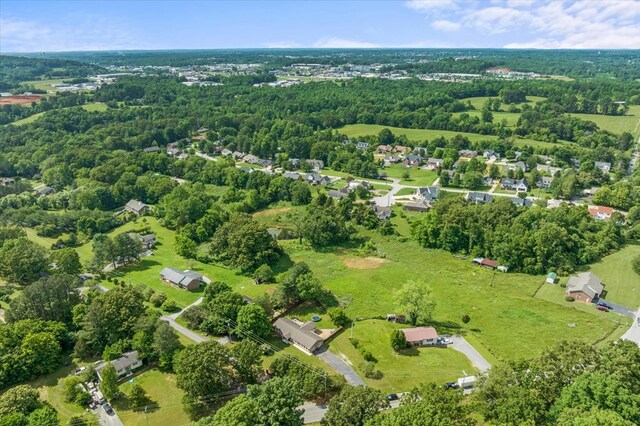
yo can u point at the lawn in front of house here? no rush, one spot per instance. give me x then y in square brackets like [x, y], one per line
[621, 282]
[401, 371]
[165, 407]
[50, 388]
[417, 177]
[405, 191]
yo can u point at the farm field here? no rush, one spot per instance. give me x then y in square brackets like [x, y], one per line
[621, 282]
[94, 106]
[402, 371]
[498, 116]
[616, 124]
[163, 393]
[417, 177]
[355, 130]
[45, 84]
[478, 101]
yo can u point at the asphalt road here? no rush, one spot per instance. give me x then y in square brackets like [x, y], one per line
[341, 367]
[461, 345]
[313, 412]
[106, 419]
[633, 333]
[196, 337]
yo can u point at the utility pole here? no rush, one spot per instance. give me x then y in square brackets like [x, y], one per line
[352, 324]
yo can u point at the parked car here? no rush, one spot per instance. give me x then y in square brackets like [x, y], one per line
[602, 308]
[605, 305]
[451, 385]
[392, 397]
[107, 409]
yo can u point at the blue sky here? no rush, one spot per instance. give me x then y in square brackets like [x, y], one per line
[34, 26]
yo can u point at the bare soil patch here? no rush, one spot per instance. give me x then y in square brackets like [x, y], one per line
[364, 262]
[19, 100]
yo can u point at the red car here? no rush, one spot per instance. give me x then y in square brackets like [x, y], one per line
[602, 308]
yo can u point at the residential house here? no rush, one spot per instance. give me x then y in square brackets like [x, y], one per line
[301, 335]
[148, 241]
[434, 163]
[552, 278]
[237, 155]
[336, 195]
[136, 207]
[467, 153]
[45, 190]
[246, 169]
[226, 152]
[517, 165]
[251, 159]
[187, 280]
[173, 152]
[124, 365]
[295, 163]
[362, 145]
[521, 202]
[584, 287]
[381, 212]
[279, 233]
[383, 149]
[519, 185]
[479, 197]
[316, 164]
[183, 156]
[600, 212]
[490, 154]
[604, 167]
[6, 181]
[152, 149]
[292, 175]
[545, 168]
[391, 159]
[316, 179]
[402, 149]
[203, 130]
[351, 186]
[420, 336]
[412, 160]
[427, 193]
[544, 181]
[417, 206]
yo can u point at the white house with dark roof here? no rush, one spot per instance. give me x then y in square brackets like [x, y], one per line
[519, 185]
[124, 365]
[427, 193]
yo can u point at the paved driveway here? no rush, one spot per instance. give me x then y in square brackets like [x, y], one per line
[633, 333]
[476, 358]
[620, 309]
[341, 367]
[108, 420]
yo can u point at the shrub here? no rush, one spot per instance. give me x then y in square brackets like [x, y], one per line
[355, 342]
[169, 305]
[338, 316]
[635, 264]
[264, 274]
[369, 370]
[368, 356]
[569, 299]
[466, 319]
[398, 340]
[158, 299]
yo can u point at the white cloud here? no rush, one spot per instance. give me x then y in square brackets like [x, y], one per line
[85, 32]
[431, 5]
[444, 25]
[337, 43]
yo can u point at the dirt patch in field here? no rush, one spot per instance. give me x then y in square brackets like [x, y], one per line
[271, 212]
[19, 100]
[364, 262]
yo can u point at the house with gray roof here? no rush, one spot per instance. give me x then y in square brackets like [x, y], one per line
[124, 365]
[316, 164]
[517, 165]
[479, 197]
[187, 280]
[519, 185]
[521, 202]
[604, 166]
[301, 335]
[585, 287]
[136, 207]
[427, 193]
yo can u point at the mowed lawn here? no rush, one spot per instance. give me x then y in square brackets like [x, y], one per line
[147, 270]
[355, 130]
[165, 401]
[400, 371]
[621, 282]
[478, 101]
[417, 177]
[504, 314]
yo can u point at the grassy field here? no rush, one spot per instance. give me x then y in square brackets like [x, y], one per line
[405, 191]
[50, 388]
[163, 393]
[498, 116]
[147, 270]
[621, 282]
[45, 84]
[417, 177]
[43, 241]
[401, 371]
[94, 106]
[478, 101]
[355, 130]
[617, 124]
[504, 313]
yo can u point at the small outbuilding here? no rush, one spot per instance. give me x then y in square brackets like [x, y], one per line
[552, 278]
